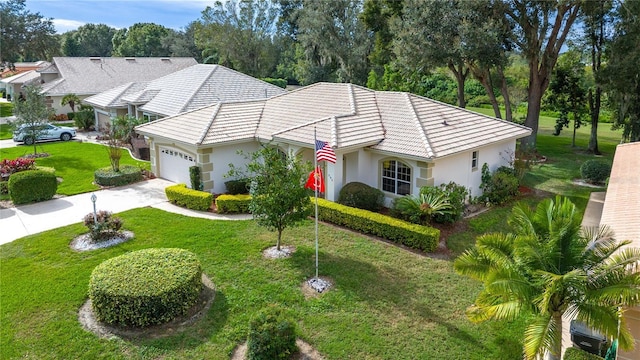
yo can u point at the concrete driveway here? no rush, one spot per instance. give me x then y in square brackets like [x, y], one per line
[30, 219]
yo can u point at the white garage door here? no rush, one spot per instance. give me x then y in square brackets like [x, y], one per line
[174, 165]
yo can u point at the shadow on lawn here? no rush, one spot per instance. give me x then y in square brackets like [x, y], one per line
[195, 335]
[380, 286]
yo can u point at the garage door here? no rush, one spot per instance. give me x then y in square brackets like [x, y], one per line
[174, 165]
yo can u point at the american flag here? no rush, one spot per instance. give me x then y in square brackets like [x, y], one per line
[325, 152]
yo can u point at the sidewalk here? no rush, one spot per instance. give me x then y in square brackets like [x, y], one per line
[30, 219]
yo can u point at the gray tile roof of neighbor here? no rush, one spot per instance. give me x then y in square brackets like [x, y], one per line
[345, 115]
[93, 75]
[22, 78]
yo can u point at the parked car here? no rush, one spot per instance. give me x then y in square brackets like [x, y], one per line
[27, 134]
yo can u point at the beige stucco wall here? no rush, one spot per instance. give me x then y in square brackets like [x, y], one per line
[632, 316]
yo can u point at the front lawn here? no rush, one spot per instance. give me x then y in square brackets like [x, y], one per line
[74, 162]
[387, 303]
[6, 109]
[6, 131]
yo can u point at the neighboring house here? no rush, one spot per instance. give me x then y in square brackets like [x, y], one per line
[15, 83]
[619, 209]
[18, 68]
[87, 76]
[394, 141]
[184, 90]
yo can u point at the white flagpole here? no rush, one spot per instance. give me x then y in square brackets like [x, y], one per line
[315, 179]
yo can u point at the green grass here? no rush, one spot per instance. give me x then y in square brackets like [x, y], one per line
[6, 131]
[74, 162]
[387, 303]
[6, 109]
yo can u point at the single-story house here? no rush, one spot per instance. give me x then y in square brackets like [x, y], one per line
[394, 141]
[86, 76]
[12, 79]
[15, 83]
[184, 90]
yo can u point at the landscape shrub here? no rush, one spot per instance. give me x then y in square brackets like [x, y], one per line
[106, 227]
[4, 187]
[180, 195]
[415, 236]
[272, 335]
[595, 171]
[195, 176]
[499, 187]
[84, 119]
[107, 177]
[58, 117]
[8, 167]
[457, 196]
[277, 82]
[233, 204]
[361, 196]
[31, 186]
[71, 115]
[574, 353]
[422, 208]
[238, 186]
[145, 287]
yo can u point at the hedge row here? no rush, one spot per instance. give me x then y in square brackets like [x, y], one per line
[416, 236]
[233, 204]
[191, 199]
[32, 186]
[128, 174]
[146, 287]
[574, 353]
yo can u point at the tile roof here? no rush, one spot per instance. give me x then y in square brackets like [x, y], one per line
[347, 116]
[189, 89]
[113, 98]
[22, 78]
[621, 210]
[92, 75]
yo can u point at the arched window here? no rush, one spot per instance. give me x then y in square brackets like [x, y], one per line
[396, 177]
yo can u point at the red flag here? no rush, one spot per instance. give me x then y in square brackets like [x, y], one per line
[315, 179]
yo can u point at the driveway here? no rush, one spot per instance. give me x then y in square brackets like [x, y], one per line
[30, 219]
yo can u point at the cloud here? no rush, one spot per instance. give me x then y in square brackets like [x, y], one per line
[64, 25]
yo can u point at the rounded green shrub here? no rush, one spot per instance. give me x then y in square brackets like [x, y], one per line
[236, 187]
[595, 171]
[128, 174]
[146, 287]
[272, 335]
[361, 196]
[574, 353]
[31, 186]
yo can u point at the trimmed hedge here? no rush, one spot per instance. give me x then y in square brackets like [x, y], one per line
[128, 174]
[574, 353]
[32, 186]
[416, 236]
[233, 204]
[145, 287]
[361, 196]
[272, 335]
[191, 199]
[595, 171]
[235, 187]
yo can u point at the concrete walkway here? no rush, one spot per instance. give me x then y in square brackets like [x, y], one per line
[30, 219]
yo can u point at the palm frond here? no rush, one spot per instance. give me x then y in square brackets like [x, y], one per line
[539, 335]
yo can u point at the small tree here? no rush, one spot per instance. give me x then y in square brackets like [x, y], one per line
[72, 100]
[32, 113]
[278, 197]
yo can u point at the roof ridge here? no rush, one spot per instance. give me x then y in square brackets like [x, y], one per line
[418, 124]
[295, 127]
[352, 99]
[208, 127]
[334, 132]
[211, 72]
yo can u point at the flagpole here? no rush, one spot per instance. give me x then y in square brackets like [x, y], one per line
[315, 177]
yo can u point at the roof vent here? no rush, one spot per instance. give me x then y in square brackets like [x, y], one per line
[95, 59]
[445, 123]
[165, 59]
[130, 59]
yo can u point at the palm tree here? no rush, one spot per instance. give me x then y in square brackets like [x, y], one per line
[422, 208]
[72, 100]
[548, 267]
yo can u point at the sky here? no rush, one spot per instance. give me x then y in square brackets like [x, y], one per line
[70, 14]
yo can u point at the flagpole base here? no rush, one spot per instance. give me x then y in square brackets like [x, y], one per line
[318, 284]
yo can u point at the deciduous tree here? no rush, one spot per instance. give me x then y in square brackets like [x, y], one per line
[141, 39]
[32, 114]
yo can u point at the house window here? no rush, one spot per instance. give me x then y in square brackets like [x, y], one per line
[396, 177]
[474, 160]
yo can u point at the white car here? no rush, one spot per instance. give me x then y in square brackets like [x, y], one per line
[25, 134]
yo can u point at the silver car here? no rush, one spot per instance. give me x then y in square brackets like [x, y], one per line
[27, 133]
